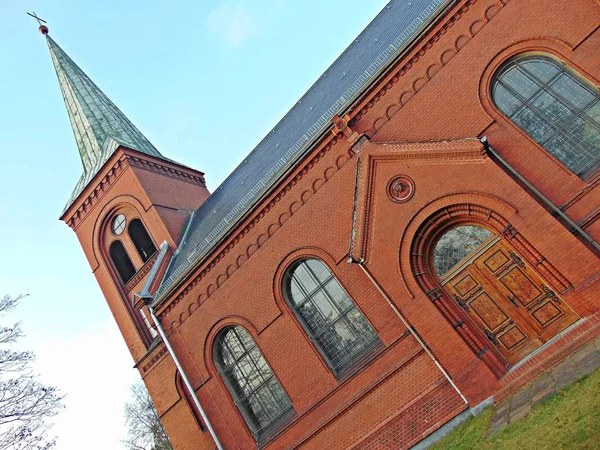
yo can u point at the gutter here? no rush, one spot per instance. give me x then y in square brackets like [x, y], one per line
[408, 326]
[541, 197]
[148, 299]
[349, 104]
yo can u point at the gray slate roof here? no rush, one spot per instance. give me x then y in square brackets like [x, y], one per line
[374, 49]
[99, 126]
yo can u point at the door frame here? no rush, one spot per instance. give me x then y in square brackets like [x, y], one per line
[421, 262]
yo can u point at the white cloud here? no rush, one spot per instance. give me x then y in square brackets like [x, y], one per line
[94, 370]
[232, 22]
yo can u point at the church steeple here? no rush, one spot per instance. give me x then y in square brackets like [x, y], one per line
[99, 126]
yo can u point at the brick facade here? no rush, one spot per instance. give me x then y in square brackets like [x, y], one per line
[418, 118]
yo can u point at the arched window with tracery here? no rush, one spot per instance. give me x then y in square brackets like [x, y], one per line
[554, 106]
[251, 381]
[121, 261]
[330, 317]
[141, 239]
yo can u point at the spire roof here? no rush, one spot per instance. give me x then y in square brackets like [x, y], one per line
[99, 126]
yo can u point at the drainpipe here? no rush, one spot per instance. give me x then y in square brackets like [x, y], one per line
[408, 326]
[148, 300]
[163, 336]
[539, 195]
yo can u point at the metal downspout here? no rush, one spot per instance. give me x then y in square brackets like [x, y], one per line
[410, 328]
[148, 299]
[163, 336]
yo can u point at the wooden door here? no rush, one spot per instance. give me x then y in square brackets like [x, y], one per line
[507, 300]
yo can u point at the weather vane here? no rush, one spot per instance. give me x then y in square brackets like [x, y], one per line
[43, 28]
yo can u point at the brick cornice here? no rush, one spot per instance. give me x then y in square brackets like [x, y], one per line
[112, 172]
[490, 9]
[151, 358]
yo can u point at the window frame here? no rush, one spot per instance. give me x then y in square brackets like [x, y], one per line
[260, 435]
[351, 364]
[592, 169]
[114, 265]
[127, 231]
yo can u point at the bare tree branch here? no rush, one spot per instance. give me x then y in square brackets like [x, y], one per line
[145, 430]
[25, 403]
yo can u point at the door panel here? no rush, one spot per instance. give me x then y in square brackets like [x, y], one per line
[543, 310]
[493, 314]
[507, 300]
[520, 286]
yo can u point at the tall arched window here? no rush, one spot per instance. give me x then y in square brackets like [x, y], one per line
[141, 239]
[250, 380]
[328, 314]
[554, 106]
[121, 261]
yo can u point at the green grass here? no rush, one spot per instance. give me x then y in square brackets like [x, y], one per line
[568, 420]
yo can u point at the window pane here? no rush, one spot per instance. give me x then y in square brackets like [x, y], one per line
[305, 279]
[520, 83]
[572, 90]
[348, 337]
[541, 69]
[250, 379]
[552, 108]
[507, 102]
[328, 311]
[455, 245]
[296, 293]
[594, 112]
[360, 324]
[579, 147]
[318, 269]
[121, 261]
[311, 315]
[234, 346]
[333, 345]
[534, 125]
[338, 295]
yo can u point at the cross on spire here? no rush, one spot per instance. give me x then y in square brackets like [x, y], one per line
[41, 22]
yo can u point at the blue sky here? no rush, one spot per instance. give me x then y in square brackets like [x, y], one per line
[204, 81]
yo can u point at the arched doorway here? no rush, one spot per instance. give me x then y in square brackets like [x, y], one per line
[496, 289]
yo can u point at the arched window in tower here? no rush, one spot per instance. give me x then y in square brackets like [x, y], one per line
[328, 314]
[141, 239]
[554, 106]
[250, 380]
[455, 245]
[121, 261]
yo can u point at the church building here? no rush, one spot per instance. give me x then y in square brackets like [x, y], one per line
[416, 239]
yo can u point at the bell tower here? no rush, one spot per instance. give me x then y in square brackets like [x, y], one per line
[128, 200]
